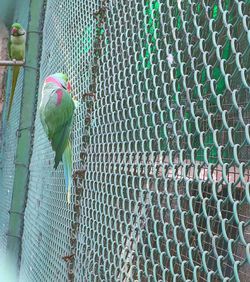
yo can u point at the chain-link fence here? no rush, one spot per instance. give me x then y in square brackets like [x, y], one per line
[9, 137]
[161, 145]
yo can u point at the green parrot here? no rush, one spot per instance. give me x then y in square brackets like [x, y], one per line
[16, 52]
[56, 114]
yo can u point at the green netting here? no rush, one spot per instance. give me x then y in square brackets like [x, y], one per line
[161, 156]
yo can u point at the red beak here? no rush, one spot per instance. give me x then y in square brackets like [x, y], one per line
[69, 86]
[14, 30]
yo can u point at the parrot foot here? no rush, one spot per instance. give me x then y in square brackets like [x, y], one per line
[14, 61]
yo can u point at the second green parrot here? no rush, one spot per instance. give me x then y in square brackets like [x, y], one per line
[16, 52]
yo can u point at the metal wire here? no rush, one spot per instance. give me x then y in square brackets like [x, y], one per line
[161, 144]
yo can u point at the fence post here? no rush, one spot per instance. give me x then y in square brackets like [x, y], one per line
[24, 136]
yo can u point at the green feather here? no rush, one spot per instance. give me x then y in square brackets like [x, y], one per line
[16, 70]
[57, 121]
[59, 141]
[67, 168]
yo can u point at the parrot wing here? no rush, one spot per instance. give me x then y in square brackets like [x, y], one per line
[58, 114]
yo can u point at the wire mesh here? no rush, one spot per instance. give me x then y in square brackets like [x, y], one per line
[161, 156]
[8, 140]
[49, 239]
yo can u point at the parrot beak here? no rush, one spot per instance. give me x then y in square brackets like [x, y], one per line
[14, 30]
[69, 86]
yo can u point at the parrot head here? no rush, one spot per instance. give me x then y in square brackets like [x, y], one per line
[64, 80]
[17, 30]
[60, 79]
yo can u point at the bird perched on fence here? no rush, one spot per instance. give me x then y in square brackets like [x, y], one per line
[16, 52]
[56, 114]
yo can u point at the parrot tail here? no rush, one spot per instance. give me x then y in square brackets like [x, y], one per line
[13, 87]
[67, 167]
